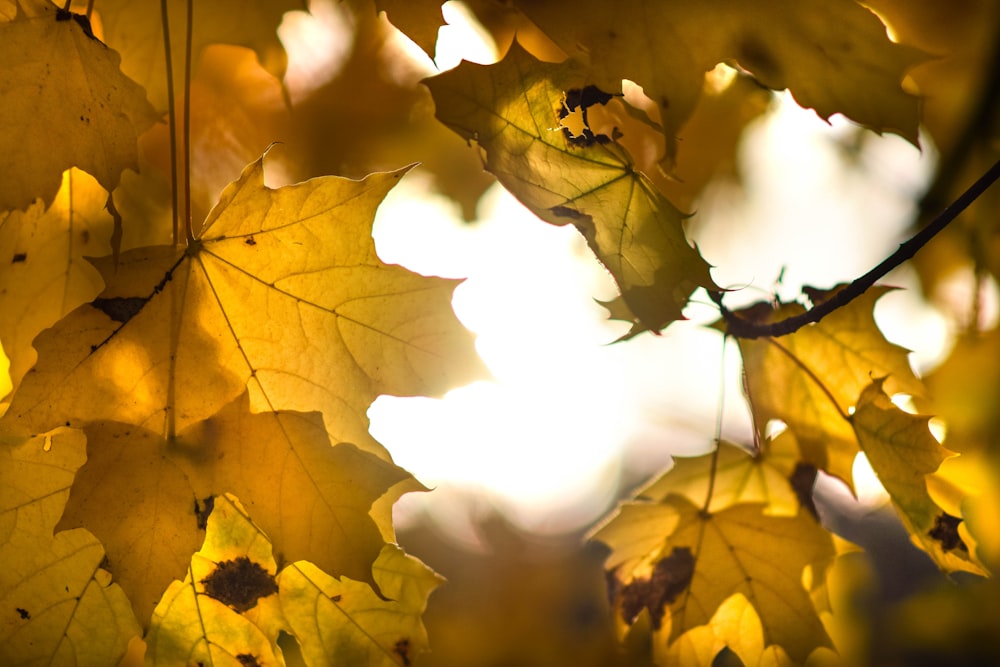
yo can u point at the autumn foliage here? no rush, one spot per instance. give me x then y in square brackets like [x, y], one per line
[197, 321]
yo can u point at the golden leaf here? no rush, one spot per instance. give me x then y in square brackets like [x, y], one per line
[66, 104]
[517, 111]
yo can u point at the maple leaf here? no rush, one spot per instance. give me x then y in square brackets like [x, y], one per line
[687, 563]
[834, 56]
[140, 494]
[59, 605]
[902, 452]
[344, 621]
[66, 104]
[282, 291]
[515, 110]
[810, 379]
[740, 477]
[140, 505]
[43, 268]
[133, 27]
[226, 606]
[734, 625]
[311, 499]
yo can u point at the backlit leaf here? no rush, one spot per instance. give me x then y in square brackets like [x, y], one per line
[684, 566]
[140, 505]
[42, 263]
[740, 477]
[344, 621]
[197, 621]
[66, 104]
[57, 603]
[313, 499]
[515, 110]
[282, 292]
[902, 452]
[833, 55]
[810, 379]
[145, 497]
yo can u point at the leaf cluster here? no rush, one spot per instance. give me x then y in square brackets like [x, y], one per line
[184, 453]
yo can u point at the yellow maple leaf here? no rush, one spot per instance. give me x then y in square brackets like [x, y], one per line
[311, 499]
[44, 272]
[682, 568]
[740, 477]
[281, 292]
[902, 452]
[140, 504]
[345, 621]
[811, 379]
[226, 611]
[515, 110]
[59, 604]
[145, 497]
[66, 104]
[834, 56]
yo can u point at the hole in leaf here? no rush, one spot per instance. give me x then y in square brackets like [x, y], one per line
[239, 583]
[573, 116]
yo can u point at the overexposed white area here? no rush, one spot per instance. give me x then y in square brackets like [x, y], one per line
[542, 439]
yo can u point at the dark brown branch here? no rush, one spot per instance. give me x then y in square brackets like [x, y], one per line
[741, 328]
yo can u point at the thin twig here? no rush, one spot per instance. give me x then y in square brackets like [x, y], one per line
[172, 117]
[741, 328]
[189, 236]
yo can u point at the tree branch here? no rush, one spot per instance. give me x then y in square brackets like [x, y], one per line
[741, 328]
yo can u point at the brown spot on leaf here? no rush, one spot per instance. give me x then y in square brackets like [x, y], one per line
[671, 576]
[203, 510]
[247, 660]
[250, 241]
[23, 613]
[240, 583]
[402, 649]
[945, 531]
[802, 480]
[120, 308]
[19, 257]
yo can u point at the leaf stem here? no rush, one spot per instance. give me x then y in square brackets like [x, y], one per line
[741, 328]
[172, 117]
[188, 235]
